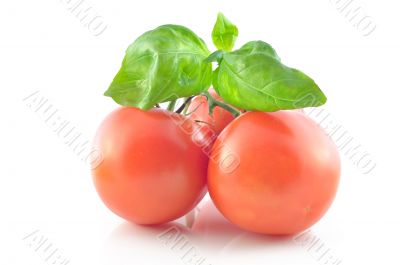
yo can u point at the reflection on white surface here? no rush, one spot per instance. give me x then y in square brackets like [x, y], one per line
[202, 237]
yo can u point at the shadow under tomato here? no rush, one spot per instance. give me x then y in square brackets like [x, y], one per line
[217, 233]
[129, 243]
[205, 228]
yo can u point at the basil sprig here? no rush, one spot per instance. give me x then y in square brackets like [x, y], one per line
[171, 62]
[224, 33]
[253, 78]
[162, 65]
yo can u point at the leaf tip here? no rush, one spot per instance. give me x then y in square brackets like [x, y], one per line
[108, 92]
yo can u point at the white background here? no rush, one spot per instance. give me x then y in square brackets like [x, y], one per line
[46, 190]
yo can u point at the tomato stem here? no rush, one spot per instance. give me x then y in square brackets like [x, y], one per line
[212, 103]
[171, 105]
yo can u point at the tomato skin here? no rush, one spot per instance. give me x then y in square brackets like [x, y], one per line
[152, 171]
[215, 122]
[287, 175]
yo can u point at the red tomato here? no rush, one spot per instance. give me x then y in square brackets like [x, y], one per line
[217, 121]
[152, 170]
[282, 172]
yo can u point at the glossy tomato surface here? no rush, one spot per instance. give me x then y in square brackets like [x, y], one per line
[152, 170]
[217, 121]
[285, 175]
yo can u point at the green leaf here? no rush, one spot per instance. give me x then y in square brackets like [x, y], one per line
[258, 46]
[253, 78]
[215, 79]
[224, 33]
[163, 64]
[216, 56]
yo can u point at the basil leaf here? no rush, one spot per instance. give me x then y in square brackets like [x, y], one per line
[162, 65]
[215, 79]
[253, 78]
[216, 56]
[258, 46]
[224, 33]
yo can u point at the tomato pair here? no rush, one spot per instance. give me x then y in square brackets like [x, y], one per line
[281, 176]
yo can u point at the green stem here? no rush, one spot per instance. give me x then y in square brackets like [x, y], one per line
[212, 103]
[171, 105]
